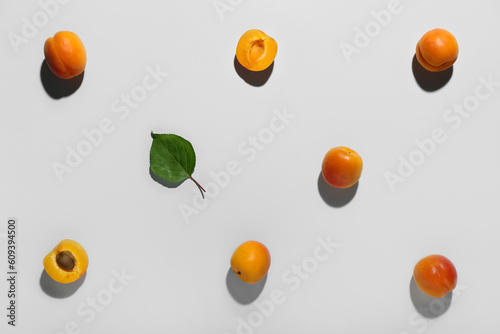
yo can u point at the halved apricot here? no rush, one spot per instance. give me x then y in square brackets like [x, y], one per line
[65, 54]
[437, 50]
[67, 262]
[256, 50]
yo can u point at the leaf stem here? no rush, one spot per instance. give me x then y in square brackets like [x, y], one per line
[199, 187]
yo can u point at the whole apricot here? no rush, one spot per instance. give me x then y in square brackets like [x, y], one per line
[251, 261]
[256, 50]
[65, 54]
[437, 50]
[435, 275]
[342, 167]
[67, 262]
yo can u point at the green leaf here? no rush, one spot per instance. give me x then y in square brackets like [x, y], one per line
[172, 158]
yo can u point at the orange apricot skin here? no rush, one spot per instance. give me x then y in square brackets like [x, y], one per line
[342, 167]
[251, 261]
[256, 50]
[435, 275]
[437, 50]
[60, 275]
[65, 54]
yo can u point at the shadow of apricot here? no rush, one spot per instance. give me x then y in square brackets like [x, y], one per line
[242, 292]
[336, 197]
[253, 78]
[429, 307]
[427, 80]
[56, 87]
[59, 290]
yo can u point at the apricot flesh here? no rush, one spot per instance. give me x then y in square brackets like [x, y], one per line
[67, 262]
[437, 50]
[342, 167]
[256, 50]
[251, 261]
[65, 54]
[435, 275]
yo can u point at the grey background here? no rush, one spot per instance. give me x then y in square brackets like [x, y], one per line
[129, 223]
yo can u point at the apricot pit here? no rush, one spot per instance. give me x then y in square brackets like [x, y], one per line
[65, 260]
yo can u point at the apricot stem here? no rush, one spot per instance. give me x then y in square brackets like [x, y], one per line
[199, 187]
